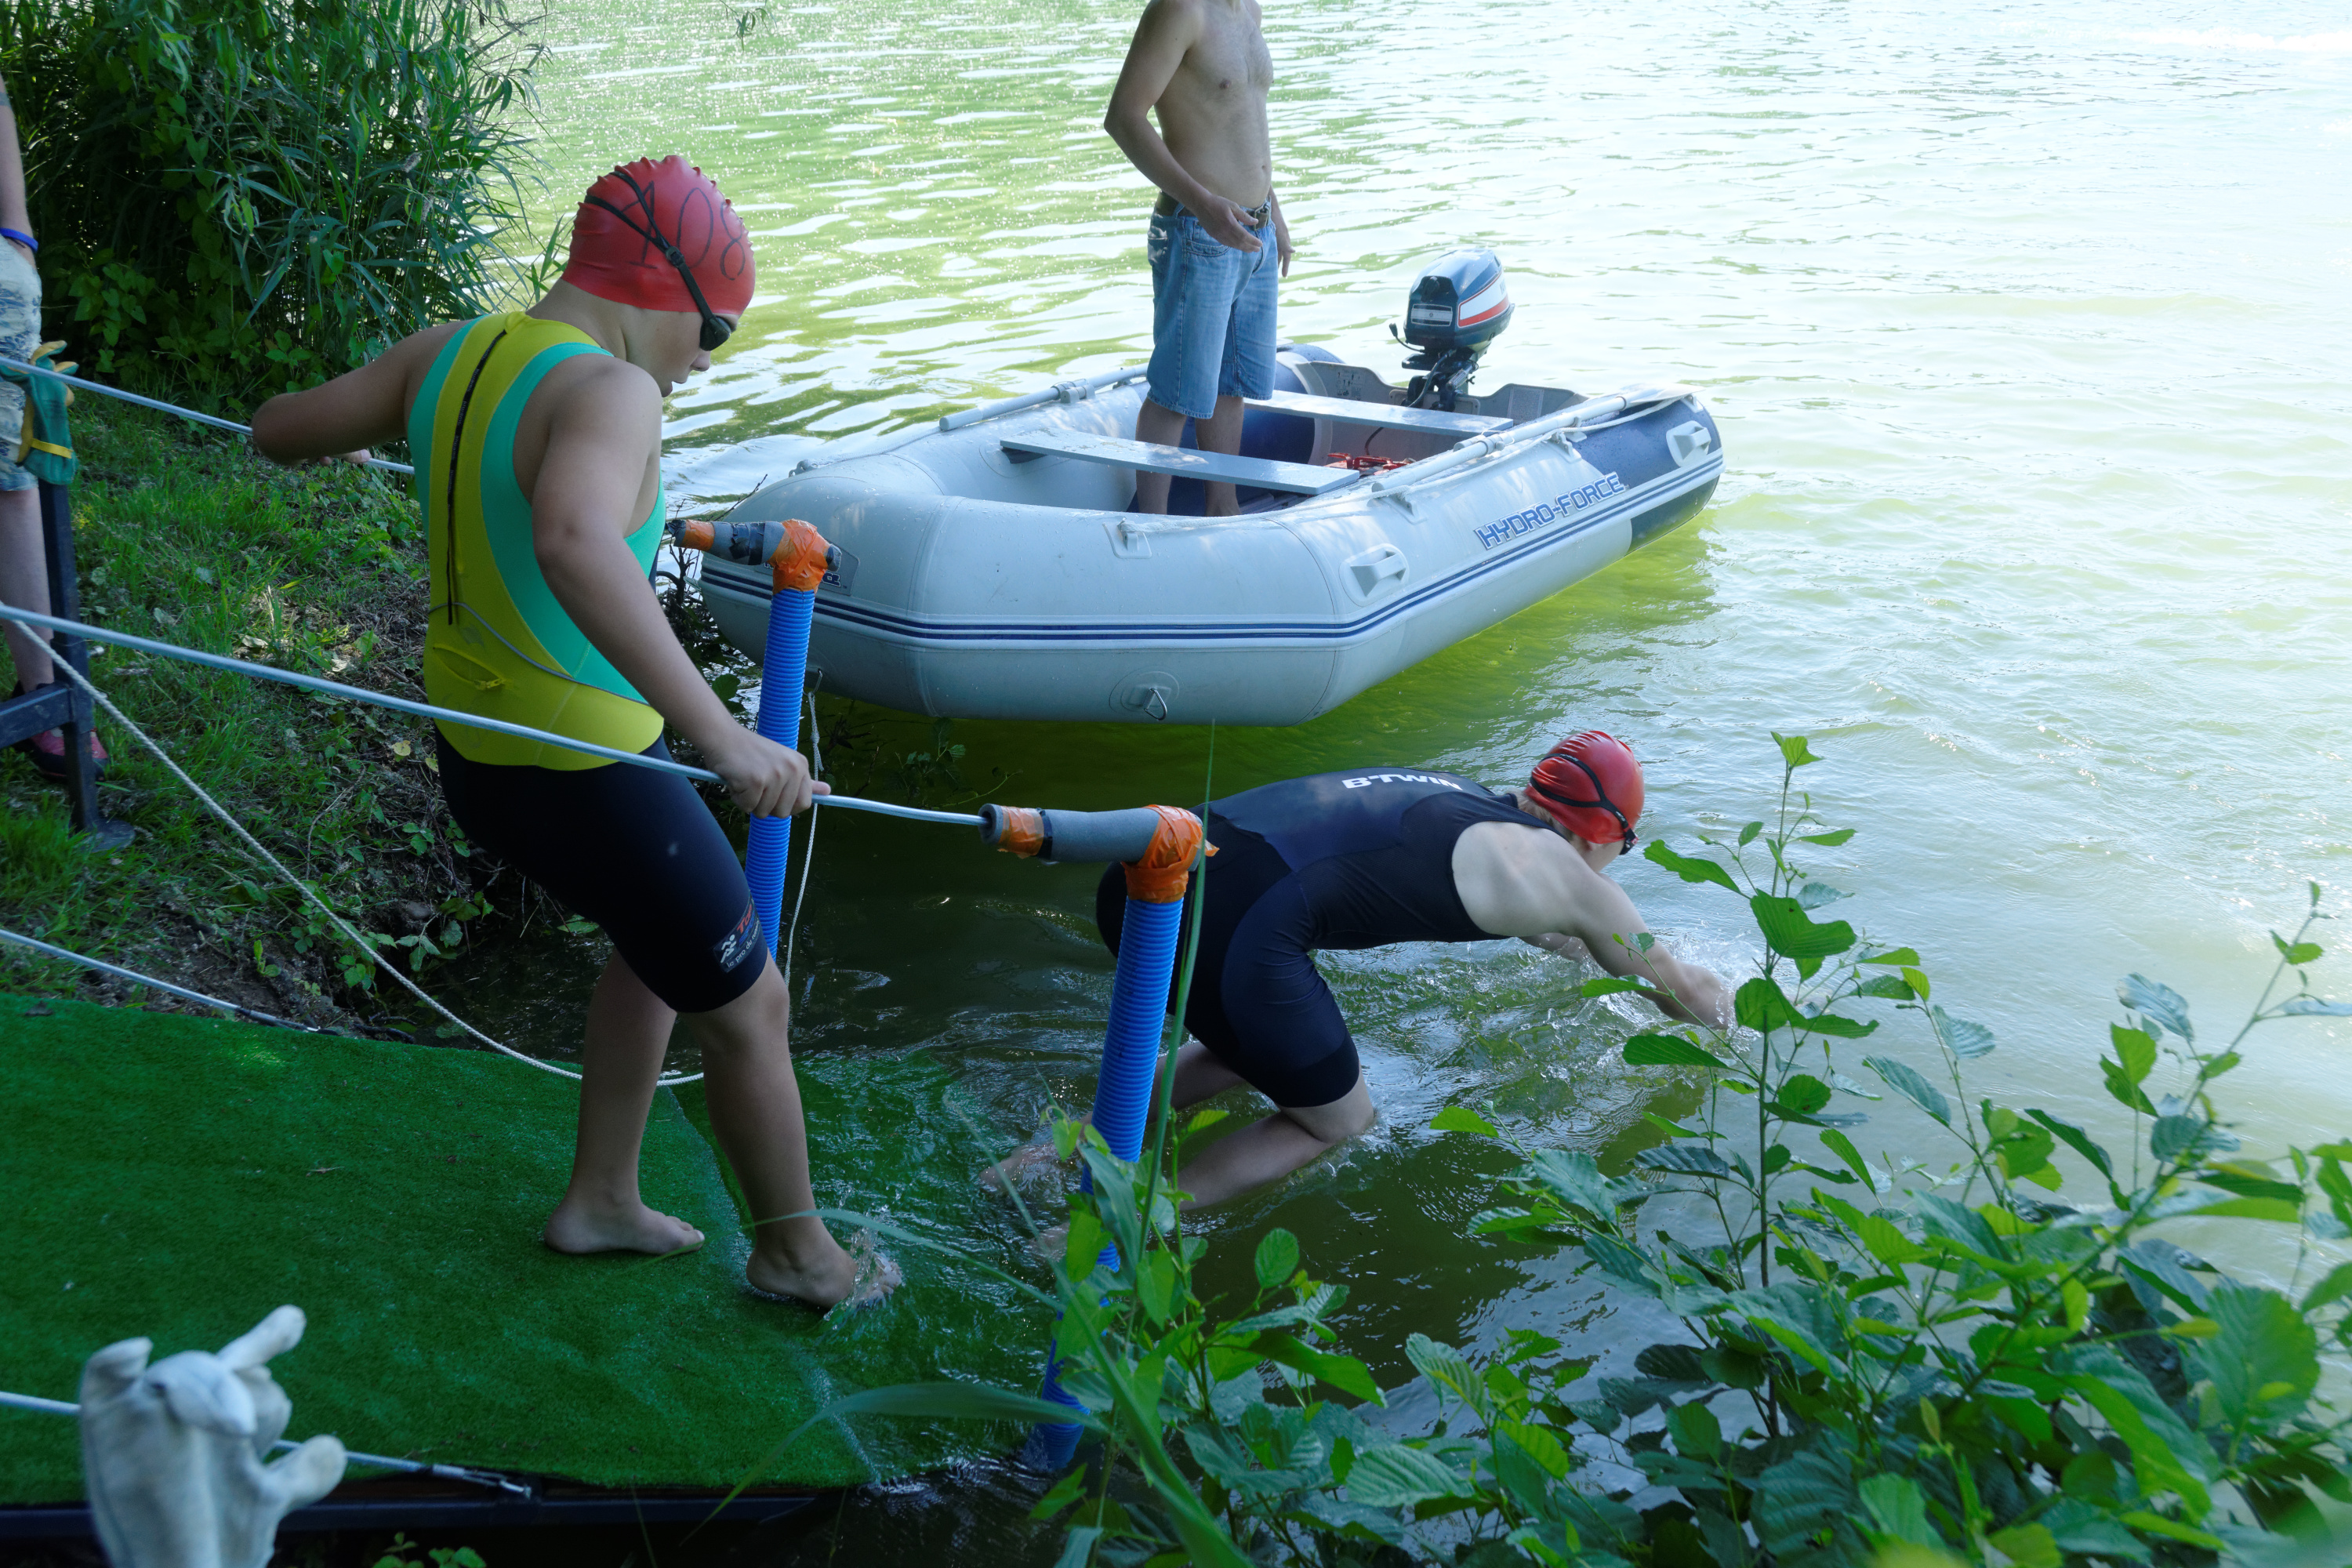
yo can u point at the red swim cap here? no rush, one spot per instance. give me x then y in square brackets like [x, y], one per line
[1591, 786]
[670, 203]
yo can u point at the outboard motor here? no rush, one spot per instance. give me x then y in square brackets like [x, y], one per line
[1459, 304]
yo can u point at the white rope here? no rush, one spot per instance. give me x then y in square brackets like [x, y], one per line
[342, 925]
[808, 859]
[287, 1445]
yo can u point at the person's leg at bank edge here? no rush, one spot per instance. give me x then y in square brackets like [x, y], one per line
[1204, 68]
[537, 436]
[24, 558]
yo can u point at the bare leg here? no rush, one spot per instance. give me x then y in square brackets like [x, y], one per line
[1162, 427]
[1222, 432]
[628, 1032]
[755, 1109]
[1269, 1150]
[24, 582]
[1199, 1076]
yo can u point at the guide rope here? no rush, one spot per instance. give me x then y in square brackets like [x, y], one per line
[386, 464]
[348, 934]
[239, 1008]
[287, 1445]
[447, 715]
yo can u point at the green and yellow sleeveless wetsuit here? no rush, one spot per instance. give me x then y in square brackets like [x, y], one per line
[497, 643]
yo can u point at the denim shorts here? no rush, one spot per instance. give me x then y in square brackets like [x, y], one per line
[1211, 316]
[20, 335]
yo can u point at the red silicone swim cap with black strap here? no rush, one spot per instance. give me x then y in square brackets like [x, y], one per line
[1591, 785]
[620, 231]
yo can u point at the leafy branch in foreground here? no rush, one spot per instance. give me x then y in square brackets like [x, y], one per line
[1883, 1362]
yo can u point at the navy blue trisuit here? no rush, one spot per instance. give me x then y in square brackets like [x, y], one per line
[1352, 859]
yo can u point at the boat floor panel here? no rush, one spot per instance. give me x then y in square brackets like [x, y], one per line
[1259, 473]
[1382, 416]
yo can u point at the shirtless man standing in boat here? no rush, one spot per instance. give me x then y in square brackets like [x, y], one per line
[537, 439]
[1202, 65]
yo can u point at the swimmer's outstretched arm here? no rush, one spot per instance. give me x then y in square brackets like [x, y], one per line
[1515, 883]
[1687, 991]
[359, 409]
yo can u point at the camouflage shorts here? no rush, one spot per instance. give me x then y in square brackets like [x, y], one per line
[20, 335]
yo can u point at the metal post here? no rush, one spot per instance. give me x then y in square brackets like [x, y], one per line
[62, 705]
[65, 599]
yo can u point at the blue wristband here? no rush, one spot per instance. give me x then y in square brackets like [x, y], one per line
[21, 237]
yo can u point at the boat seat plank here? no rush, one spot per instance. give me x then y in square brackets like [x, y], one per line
[1259, 473]
[1380, 415]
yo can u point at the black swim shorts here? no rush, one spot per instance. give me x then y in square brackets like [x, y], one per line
[632, 850]
[1257, 1003]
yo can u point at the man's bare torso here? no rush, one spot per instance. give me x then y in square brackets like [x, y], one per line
[1213, 112]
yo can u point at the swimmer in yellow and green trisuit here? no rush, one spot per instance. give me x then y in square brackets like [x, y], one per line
[537, 439]
[1367, 857]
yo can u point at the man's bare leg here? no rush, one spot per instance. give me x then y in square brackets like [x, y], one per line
[628, 1032]
[755, 1110]
[1161, 428]
[24, 582]
[1222, 432]
[1270, 1149]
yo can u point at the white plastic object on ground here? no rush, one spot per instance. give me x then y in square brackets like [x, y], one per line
[174, 1453]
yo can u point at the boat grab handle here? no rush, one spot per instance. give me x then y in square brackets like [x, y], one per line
[1060, 392]
[1589, 411]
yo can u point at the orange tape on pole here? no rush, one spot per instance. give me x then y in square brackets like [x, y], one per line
[1025, 830]
[1159, 875]
[802, 559]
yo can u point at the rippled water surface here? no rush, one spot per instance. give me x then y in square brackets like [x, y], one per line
[2025, 327]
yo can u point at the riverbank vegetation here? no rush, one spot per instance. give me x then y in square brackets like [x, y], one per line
[246, 195]
[191, 539]
[1989, 1352]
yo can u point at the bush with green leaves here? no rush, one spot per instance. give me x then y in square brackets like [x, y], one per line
[1988, 1359]
[245, 195]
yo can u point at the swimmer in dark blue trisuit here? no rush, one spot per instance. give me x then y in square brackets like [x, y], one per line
[1367, 857]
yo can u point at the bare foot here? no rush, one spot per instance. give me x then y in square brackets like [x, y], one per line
[578, 1228]
[859, 1275]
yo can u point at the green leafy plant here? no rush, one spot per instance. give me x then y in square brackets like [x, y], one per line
[1887, 1361]
[1950, 1359]
[406, 1553]
[246, 195]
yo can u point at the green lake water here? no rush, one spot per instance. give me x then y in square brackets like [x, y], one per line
[2026, 330]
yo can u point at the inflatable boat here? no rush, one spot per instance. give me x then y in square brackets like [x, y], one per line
[988, 565]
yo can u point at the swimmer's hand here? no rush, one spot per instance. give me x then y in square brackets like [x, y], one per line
[763, 778]
[1228, 224]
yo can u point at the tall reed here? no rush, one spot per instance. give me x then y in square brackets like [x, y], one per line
[238, 196]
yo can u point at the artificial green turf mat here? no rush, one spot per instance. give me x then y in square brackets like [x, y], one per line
[179, 1177]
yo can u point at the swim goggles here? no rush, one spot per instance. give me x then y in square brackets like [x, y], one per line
[715, 330]
[1626, 828]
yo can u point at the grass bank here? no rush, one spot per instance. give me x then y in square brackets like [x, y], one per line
[191, 539]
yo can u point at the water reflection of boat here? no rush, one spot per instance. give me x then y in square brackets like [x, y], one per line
[990, 567]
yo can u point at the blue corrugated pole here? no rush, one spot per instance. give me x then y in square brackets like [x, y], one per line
[797, 558]
[783, 670]
[1139, 1012]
